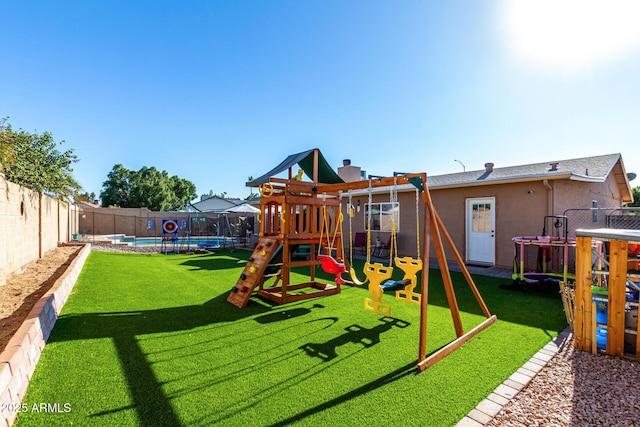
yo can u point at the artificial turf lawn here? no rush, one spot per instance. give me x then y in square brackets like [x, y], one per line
[150, 340]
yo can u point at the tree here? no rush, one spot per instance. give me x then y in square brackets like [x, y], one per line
[147, 187]
[251, 196]
[35, 162]
[183, 189]
[636, 197]
[85, 197]
[116, 189]
[6, 146]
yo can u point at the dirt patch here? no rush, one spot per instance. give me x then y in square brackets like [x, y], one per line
[22, 291]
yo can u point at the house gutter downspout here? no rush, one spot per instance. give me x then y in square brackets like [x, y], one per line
[549, 196]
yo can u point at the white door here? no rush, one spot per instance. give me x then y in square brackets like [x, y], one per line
[481, 225]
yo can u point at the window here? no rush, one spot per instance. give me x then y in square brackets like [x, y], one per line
[382, 216]
[481, 220]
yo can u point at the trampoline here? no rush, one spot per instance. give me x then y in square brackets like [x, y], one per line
[554, 256]
[552, 252]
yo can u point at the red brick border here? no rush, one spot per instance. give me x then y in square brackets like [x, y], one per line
[20, 357]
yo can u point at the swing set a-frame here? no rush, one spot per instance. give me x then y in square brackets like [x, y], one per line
[296, 214]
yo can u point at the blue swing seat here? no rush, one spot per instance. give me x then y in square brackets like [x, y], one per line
[395, 285]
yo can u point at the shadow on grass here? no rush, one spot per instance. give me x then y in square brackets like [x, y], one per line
[152, 406]
[535, 309]
[355, 334]
[217, 261]
[278, 316]
[149, 401]
[409, 369]
[172, 319]
[293, 379]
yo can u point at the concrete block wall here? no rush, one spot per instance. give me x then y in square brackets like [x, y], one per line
[49, 238]
[97, 221]
[31, 224]
[19, 359]
[129, 221]
[18, 228]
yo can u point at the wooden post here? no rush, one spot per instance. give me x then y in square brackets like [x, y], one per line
[315, 165]
[455, 344]
[637, 339]
[424, 290]
[444, 267]
[617, 292]
[582, 310]
[463, 267]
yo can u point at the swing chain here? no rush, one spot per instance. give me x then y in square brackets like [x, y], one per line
[417, 224]
[393, 249]
[369, 223]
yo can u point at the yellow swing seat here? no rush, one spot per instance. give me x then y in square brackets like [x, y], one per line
[410, 266]
[377, 273]
[354, 277]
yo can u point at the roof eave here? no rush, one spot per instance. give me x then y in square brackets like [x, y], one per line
[495, 181]
[517, 179]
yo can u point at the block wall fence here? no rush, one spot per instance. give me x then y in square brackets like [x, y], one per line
[31, 224]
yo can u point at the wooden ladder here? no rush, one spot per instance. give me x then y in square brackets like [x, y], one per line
[253, 271]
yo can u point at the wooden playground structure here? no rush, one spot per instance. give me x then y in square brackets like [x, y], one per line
[299, 214]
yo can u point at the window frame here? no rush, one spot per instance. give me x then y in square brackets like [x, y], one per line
[384, 209]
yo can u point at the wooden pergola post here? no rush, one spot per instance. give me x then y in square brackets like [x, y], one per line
[582, 309]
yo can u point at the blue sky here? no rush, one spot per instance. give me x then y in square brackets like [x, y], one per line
[217, 91]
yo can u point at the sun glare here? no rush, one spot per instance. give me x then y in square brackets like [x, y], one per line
[572, 35]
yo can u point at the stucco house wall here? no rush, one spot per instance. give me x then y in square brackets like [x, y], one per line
[521, 204]
[572, 194]
[406, 234]
[517, 212]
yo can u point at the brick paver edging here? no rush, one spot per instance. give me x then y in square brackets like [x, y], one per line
[19, 359]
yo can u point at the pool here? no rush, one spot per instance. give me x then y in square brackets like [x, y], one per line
[182, 241]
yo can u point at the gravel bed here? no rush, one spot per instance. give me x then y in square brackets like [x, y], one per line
[577, 388]
[108, 247]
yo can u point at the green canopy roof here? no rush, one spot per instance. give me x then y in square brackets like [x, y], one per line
[326, 174]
